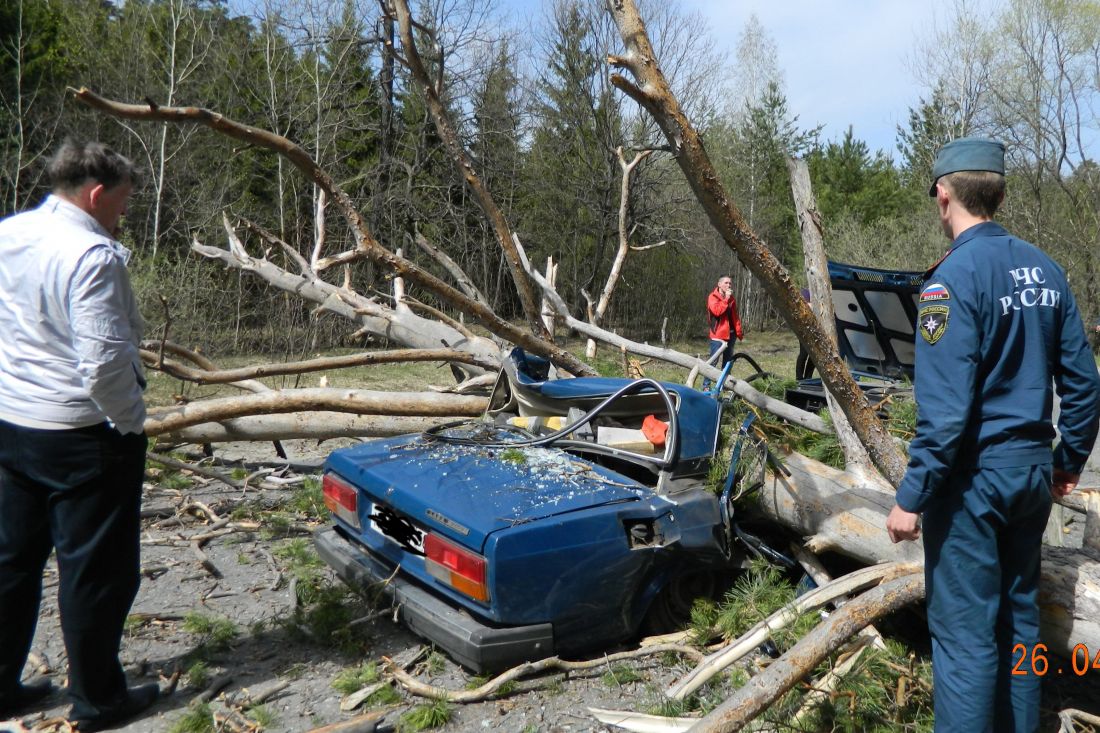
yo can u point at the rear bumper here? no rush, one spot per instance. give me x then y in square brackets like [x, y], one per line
[470, 642]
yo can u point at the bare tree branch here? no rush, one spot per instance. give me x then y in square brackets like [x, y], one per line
[221, 376]
[367, 245]
[461, 278]
[464, 164]
[596, 314]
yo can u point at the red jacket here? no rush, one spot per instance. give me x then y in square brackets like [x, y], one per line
[722, 315]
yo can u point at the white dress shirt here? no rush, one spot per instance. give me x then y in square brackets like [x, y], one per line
[69, 323]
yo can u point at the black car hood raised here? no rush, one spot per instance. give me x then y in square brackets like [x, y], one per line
[876, 311]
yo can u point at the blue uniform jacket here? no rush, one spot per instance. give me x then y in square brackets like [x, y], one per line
[998, 326]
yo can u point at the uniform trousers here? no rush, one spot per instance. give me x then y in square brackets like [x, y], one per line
[982, 541]
[78, 491]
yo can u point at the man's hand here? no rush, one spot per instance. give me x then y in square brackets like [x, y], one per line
[902, 525]
[1064, 482]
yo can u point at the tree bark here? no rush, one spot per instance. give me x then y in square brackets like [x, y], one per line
[821, 302]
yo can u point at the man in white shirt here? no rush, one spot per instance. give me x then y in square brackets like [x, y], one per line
[72, 443]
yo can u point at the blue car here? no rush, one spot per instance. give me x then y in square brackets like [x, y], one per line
[572, 517]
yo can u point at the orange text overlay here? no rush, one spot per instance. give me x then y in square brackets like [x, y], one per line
[1034, 660]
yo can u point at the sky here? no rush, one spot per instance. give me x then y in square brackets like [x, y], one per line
[844, 62]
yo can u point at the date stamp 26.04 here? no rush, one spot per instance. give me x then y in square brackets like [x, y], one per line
[1034, 661]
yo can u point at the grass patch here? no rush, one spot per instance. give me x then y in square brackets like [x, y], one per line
[133, 623]
[216, 633]
[355, 679]
[300, 557]
[308, 501]
[197, 719]
[435, 714]
[513, 455]
[554, 687]
[674, 708]
[619, 675]
[198, 675]
[262, 716]
[276, 524]
[325, 607]
[382, 697]
[174, 481]
[477, 681]
[436, 663]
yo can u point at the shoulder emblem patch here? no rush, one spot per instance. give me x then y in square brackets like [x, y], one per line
[932, 322]
[934, 292]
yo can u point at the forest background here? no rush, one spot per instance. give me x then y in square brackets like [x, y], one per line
[537, 112]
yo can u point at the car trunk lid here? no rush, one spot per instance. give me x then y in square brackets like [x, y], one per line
[467, 492]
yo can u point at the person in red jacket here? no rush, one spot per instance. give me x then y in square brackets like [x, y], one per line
[724, 322]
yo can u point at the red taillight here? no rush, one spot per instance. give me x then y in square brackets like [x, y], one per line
[341, 498]
[456, 566]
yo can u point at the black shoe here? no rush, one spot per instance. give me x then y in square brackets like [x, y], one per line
[24, 696]
[138, 699]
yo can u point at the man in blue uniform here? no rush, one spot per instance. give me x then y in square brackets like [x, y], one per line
[998, 328]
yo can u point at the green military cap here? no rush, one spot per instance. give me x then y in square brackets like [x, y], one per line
[968, 154]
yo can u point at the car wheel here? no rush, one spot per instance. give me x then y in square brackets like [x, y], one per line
[671, 609]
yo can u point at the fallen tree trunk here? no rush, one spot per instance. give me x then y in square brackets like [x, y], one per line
[224, 376]
[318, 425]
[422, 404]
[839, 512]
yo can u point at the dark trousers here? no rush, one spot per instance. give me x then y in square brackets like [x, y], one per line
[981, 551]
[78, 491]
